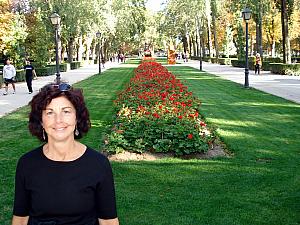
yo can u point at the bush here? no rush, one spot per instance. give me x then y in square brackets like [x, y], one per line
[63, 67]
[20, 75]
[225, 61]
[241, 63]
[296, 59]
[272, 60]
[45, 71]
[206, 59]
[285, 69]
[75, 65]
[157, 113]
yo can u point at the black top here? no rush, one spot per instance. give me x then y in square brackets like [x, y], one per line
[70, 193]
[28, 69]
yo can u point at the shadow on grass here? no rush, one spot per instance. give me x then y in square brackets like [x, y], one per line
[259, 185]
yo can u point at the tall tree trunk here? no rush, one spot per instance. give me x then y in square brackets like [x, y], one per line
[197, 43]
[190, 45]
[79, 49]
[273, 38]
[214, 12]
[202, 43]
[285, 34]
[208, 15]
[260, 50]
[71, 49]
[185, 43]
[88, 48]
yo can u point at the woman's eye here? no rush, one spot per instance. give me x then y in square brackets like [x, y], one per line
[49, 113]
[67, 111]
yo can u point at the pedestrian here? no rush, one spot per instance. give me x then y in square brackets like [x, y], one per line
[62, 181]
[29, 75]
[257, 63]
[9, 75]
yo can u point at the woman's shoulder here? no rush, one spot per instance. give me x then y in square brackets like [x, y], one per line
[34, 154]
[94, 155]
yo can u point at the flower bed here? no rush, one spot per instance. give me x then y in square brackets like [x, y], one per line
[157, 113]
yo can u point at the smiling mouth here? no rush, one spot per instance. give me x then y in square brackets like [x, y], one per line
[60, 129]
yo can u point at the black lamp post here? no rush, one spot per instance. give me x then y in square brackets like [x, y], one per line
[98, 35]
[55, 20]
[200, 43]
[246, 16]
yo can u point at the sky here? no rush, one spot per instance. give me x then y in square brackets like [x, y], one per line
[154, 4]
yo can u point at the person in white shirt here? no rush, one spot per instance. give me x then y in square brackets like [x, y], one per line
[9, 74]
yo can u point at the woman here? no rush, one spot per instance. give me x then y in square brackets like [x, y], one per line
[62, 182]
[257, 63]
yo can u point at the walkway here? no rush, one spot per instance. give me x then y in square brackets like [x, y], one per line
[287, 87]
[284, 86]
[12, 102]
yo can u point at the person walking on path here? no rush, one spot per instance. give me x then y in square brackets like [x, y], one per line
[29, 74]
[9, 74]
[257, 63]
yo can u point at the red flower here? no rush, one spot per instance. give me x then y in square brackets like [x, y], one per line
[155, 115]
[190, 136]
[180, 117]
[202, 124]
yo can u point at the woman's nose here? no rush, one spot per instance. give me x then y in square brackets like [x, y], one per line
[58, 117]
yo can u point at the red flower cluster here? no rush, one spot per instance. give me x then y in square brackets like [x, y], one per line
[157, 90]
[156, 111]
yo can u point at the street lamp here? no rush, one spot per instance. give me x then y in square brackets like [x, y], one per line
[55, 20]
[98, 35]
[246, 16]
[200, 42]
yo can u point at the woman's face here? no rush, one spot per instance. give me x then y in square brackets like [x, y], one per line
[59, 120]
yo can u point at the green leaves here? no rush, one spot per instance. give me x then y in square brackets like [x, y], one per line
[157, 113]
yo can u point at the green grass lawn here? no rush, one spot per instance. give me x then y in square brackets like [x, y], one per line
[259, 184]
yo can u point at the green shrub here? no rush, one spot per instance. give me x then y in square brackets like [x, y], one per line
[225, 61]
[213, 60]
[45, 71]
[241, 63]
[296, 59]
[20, 75]
[156, 112]
[75, 65]
[206, 59]
[64, 67]
[285, 69]
[272, 60]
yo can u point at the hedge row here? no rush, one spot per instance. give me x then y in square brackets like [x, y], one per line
[274, 65]
[285, 69]
[44, 71]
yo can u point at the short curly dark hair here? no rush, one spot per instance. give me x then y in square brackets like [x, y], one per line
[42, 99]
